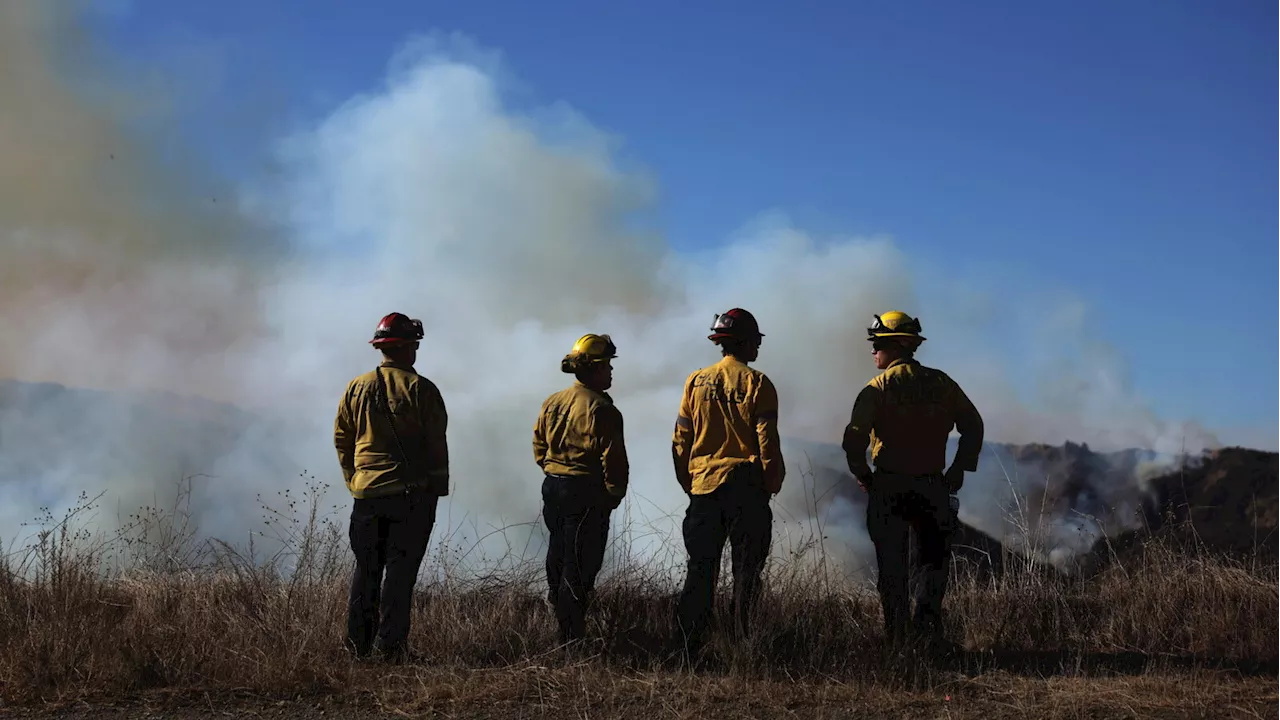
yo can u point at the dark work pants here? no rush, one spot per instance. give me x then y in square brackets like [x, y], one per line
[898, 505]
[387, 534]
[737, 511]
[576, 511]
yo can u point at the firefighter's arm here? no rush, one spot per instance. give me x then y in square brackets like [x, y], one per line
[857, 434]
[969, 425]
[344, 437]
[435, 424]
[682, 439]
[766, 416]
[540, 436]
[613, 450]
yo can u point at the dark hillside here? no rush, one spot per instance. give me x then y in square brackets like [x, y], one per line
[1224, 503]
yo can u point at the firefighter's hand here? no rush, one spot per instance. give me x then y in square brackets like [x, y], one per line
[613, 501]
[864, 482]
[954, 478]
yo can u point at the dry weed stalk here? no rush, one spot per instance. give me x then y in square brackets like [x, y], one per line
[153, 606]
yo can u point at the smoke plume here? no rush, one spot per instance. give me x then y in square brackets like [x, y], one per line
[509, 233]
[121, 271]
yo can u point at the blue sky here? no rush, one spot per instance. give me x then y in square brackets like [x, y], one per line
[1121, 151]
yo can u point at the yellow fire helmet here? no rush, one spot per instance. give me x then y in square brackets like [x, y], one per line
[895, 324]
[589, 348]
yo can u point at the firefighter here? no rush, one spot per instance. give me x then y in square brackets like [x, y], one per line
[390, 436]
[906, 414]
[728, 460]
[578, 443]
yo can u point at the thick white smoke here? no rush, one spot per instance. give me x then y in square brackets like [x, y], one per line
[119, 271]
[430, 197]
[510, 234]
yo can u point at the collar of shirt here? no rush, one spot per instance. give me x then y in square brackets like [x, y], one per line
[584, 386]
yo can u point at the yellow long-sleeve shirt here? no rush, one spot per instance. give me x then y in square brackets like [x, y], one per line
[579, 433]
[372, 464]
[728, 415]
[906, 413]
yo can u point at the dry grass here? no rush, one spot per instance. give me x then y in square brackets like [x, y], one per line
[150, 610]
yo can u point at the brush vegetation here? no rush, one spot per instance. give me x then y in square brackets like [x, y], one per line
[152, 614]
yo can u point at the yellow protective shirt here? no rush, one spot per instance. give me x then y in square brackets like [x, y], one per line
[578, 433]
[371, 461]
[728, 415]
[906, 413]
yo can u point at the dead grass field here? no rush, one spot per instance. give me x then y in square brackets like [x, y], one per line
[149, 623]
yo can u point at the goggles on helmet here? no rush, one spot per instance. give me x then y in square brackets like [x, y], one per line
[735, 322]
[602, 348]
[401, 329]
[877, 327]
